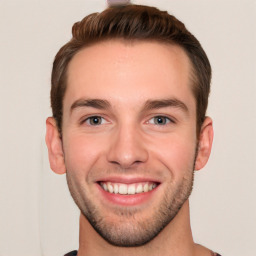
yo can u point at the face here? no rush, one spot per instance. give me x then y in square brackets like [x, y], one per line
[129, 137]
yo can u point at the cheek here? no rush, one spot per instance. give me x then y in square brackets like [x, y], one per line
[81, 152]
[176, 153]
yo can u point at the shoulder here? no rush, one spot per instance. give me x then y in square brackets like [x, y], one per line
[202, 251]
[73, 253]
[215, 254]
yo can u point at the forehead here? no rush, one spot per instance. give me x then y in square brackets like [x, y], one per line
[129, 71]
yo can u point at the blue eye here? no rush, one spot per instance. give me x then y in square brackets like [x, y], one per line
[160, 120]
[95, 120]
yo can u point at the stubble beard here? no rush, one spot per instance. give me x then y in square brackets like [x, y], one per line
[131, 230]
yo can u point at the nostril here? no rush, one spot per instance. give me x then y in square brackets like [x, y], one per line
[126, 164]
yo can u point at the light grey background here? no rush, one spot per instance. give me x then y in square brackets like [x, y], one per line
[37, 215]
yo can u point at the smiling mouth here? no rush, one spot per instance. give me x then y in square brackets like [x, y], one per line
[128, 189]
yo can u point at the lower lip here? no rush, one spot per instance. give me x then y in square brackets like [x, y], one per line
[127, 200]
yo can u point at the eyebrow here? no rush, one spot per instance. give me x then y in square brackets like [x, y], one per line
[149, 105]
[93, 103]
[163, 103]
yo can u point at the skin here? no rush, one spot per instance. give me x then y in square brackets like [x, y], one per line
[129, 143]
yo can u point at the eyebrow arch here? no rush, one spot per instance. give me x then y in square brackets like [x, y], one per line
[163, 103]
[93, 103]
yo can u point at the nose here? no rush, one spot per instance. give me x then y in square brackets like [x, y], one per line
[127, 148]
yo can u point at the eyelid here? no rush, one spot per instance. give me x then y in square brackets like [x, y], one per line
[168, 118]
[86, 119]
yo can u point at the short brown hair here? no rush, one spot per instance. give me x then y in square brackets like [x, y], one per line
[132, 22]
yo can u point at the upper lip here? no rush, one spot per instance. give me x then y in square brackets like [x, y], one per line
[127, 179]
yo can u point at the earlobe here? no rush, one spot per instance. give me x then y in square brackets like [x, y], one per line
[54, 145]
[205, 144]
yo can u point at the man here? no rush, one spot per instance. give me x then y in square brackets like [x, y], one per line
[129, 96]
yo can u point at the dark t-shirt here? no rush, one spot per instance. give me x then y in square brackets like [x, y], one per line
[74, 253]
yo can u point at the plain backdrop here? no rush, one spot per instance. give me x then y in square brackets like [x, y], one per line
[37, 214]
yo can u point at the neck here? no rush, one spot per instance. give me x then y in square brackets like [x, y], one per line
[175, 239]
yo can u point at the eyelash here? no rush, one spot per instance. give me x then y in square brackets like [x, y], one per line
[167, 120]
[90, 119]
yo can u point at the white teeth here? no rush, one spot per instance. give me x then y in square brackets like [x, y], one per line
[105, 186]
[123, 189]
[129, 189]
[139, 189]
[110, 188]
[145, 188]
[115, 188]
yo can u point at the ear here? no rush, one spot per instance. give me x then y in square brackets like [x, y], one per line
[54, 145]
[205, 143]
